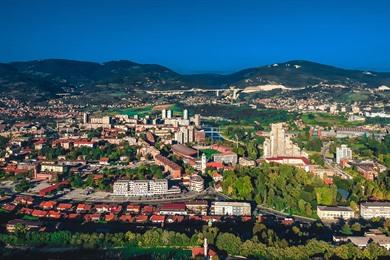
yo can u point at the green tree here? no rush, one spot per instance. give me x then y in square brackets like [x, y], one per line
[346, 229]
[229, 243]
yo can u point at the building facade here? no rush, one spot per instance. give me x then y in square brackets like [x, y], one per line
[370, 210]
[230, 208]
[280, 144]
[334, 212]
[140, 187]
[343, 153]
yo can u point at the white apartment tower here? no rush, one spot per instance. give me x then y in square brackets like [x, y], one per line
[169, 114]
[164, 114]
[185, 114]
[279, 144]
[343, 153]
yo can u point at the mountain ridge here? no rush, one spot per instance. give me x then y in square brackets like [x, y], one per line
[51, 76]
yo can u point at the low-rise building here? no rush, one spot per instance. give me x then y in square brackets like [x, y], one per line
[173, 209]
[173, 168]
[334, 212]
[370, 210]
[230, 208]
[140, 187]
[228, 158]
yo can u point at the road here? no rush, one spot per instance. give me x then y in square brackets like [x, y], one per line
[277, 213]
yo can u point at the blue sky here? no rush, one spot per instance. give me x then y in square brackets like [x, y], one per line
[198, 36]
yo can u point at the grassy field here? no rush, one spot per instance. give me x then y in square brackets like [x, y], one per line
[209, 153]
[324, 119]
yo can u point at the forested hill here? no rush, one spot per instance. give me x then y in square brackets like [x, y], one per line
[45, 78]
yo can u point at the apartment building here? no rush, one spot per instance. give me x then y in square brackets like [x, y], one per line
[373, 209]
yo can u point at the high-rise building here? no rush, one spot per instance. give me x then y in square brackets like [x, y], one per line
[185, 135]
[343, 153]
[280, 144]
[169, 114]
[164, 114]
[197, 120]
[185, 114]
[85, 118]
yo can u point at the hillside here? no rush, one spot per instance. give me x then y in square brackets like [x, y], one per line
[45, 78]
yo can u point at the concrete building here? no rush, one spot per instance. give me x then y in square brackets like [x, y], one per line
[185, 134]
[230, 208]
[343, 153]
[197, 120]
[196, 183]
[173, 168]
[164, 114]
[279, 144]
[140, 187]
[334, 212]
[370, 210]
[228, 158]
[169, 114]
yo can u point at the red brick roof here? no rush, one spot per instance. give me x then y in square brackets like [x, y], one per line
[165, 161]
[173, 206]
[157, 218]
[39, 213]
[64, 206]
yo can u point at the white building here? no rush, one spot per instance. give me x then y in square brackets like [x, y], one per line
[230, 208]
[185, 135]
[185, 114]
[196, 183]
[280, 144]
[231, 158]
[370, 210]
[334, 212]
[343, 153]
[140, 187]
[164, 114]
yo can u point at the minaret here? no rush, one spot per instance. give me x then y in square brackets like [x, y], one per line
[185, 114]
[203, 163]
[205, 248]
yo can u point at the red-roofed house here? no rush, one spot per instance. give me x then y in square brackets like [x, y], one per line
[141, 219]
[47, 204]
[175, 218]
[126, 218]
[133, 208]
[64, 206]
[54, 214]
[39, 213]
[104, 161]
[73, 216]
[157, 219]
[9, 207]
[83, 208]
[147, 210]
[173, 209]
[110, 217]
